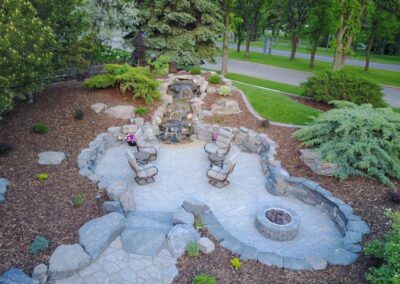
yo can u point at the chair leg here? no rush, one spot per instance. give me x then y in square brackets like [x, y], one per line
[144, 181]
[218, 183]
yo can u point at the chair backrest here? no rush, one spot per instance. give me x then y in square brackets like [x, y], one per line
[132, 161]
[224, 139]
[230, 163]
[140, 138]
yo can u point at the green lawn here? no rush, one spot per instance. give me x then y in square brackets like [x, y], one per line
[285, 44]
[277, 107]
[383, 77]
[296, 90]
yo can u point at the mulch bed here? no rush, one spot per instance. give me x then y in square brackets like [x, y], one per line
[45, 208]
[311, 103]
[368, 198]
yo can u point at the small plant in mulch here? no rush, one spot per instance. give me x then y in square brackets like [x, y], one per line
[198, 223]
[40, 128]
[264, 123]
[5, 148]
[225, 91]
[196, 70]
[141, 110]
[78, 200]
[193, 249]
[218, 119]
[38, 245]
[214, 79]
[204, 279]
[235, 262]
[79, 114]
[42, 176]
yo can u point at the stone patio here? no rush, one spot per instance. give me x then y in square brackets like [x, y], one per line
[182, 176]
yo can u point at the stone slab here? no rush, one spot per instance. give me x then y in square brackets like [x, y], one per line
[270, 259]
[142, 242]
[51, 158]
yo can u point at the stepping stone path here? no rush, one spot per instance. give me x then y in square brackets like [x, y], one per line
[51, 158]
[98, 107]
[121, 111]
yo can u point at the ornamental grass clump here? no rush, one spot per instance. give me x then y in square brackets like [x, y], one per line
[363, 140]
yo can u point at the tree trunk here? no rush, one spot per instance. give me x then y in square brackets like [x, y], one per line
[225, 49]
[337, 60]
[313, 52]
[347, 47]
[368, 51]
[139, 50]
[248, 40]
[172, 67]
[295, 41]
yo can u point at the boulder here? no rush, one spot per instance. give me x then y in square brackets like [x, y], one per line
[121, 111]
[4, 183]
[225, 107]
[178, 238]
[142, 242]
[146, 224]
[193, 205]
[132, 128]
[40, 273]
[66, 260]
[181, 216]
[119, 191]
[51, 158]
[97, 234]
[98, 107]
[314, 161]
[206, 245]
[317, 263]
[139, 121]
[15, 276]
[112, 206]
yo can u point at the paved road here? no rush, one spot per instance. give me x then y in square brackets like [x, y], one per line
[287, 76]
[384, 66]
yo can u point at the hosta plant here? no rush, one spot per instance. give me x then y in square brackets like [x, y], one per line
[225, 91]
[363, 140]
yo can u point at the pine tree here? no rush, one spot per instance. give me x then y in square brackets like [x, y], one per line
[184, 30]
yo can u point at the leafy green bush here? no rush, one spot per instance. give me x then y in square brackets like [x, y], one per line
[100, 82]
[364, 141]
[214, 79]
[39, 244]
[141, 110]
[342, 85]
[388, 251]
[204, 279]
[193, 249]
[135, 79]
[225, 91]
[112, 55]
[40, 128]
[78, 200]
[196, 70]
[161, 65]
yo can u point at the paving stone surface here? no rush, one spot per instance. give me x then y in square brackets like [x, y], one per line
[182, 176]
[117, 266]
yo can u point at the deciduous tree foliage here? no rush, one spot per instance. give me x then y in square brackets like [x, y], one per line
[184, 30]
[25, 50]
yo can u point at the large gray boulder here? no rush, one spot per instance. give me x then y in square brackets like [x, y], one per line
[194, 206]
[119, 191]
[314, 161]
[97, 234]
[225, 107]
[142, 242]
[66, 260]
[4, 183]
[146, 224]
[121, 112]
[178, 238]
[40, 273]
[181, 216]
[51, 158]
[15, 276]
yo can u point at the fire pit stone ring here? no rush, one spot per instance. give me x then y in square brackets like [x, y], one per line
[284, 227]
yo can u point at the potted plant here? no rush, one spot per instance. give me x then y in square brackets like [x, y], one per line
[131, 140]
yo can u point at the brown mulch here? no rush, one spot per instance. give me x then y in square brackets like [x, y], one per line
[311, 103]
[45, 208]
[368, 198]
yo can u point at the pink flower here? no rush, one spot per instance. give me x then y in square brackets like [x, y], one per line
[130, 138]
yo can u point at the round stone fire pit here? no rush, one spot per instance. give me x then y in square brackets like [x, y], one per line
[277, 223]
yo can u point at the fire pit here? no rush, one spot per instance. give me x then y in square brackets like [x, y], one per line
[280, 224]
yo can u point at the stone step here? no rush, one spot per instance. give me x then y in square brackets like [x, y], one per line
[146, 224]
[162, 217]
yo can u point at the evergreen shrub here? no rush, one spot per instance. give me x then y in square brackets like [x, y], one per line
[363, 140]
